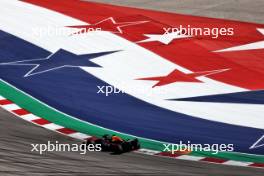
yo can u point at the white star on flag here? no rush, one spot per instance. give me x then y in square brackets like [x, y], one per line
[166, 38]
[250, 46]
[258, 143]
[115, 27]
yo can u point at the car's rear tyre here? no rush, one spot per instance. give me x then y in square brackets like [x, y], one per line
[119, 149]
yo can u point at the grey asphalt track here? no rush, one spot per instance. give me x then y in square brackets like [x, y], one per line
[16, 158]
[242, 10]
[16, 135]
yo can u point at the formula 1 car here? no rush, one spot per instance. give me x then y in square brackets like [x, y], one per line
[108, 144]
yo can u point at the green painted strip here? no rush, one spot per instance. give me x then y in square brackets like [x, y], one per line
[40, 109]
